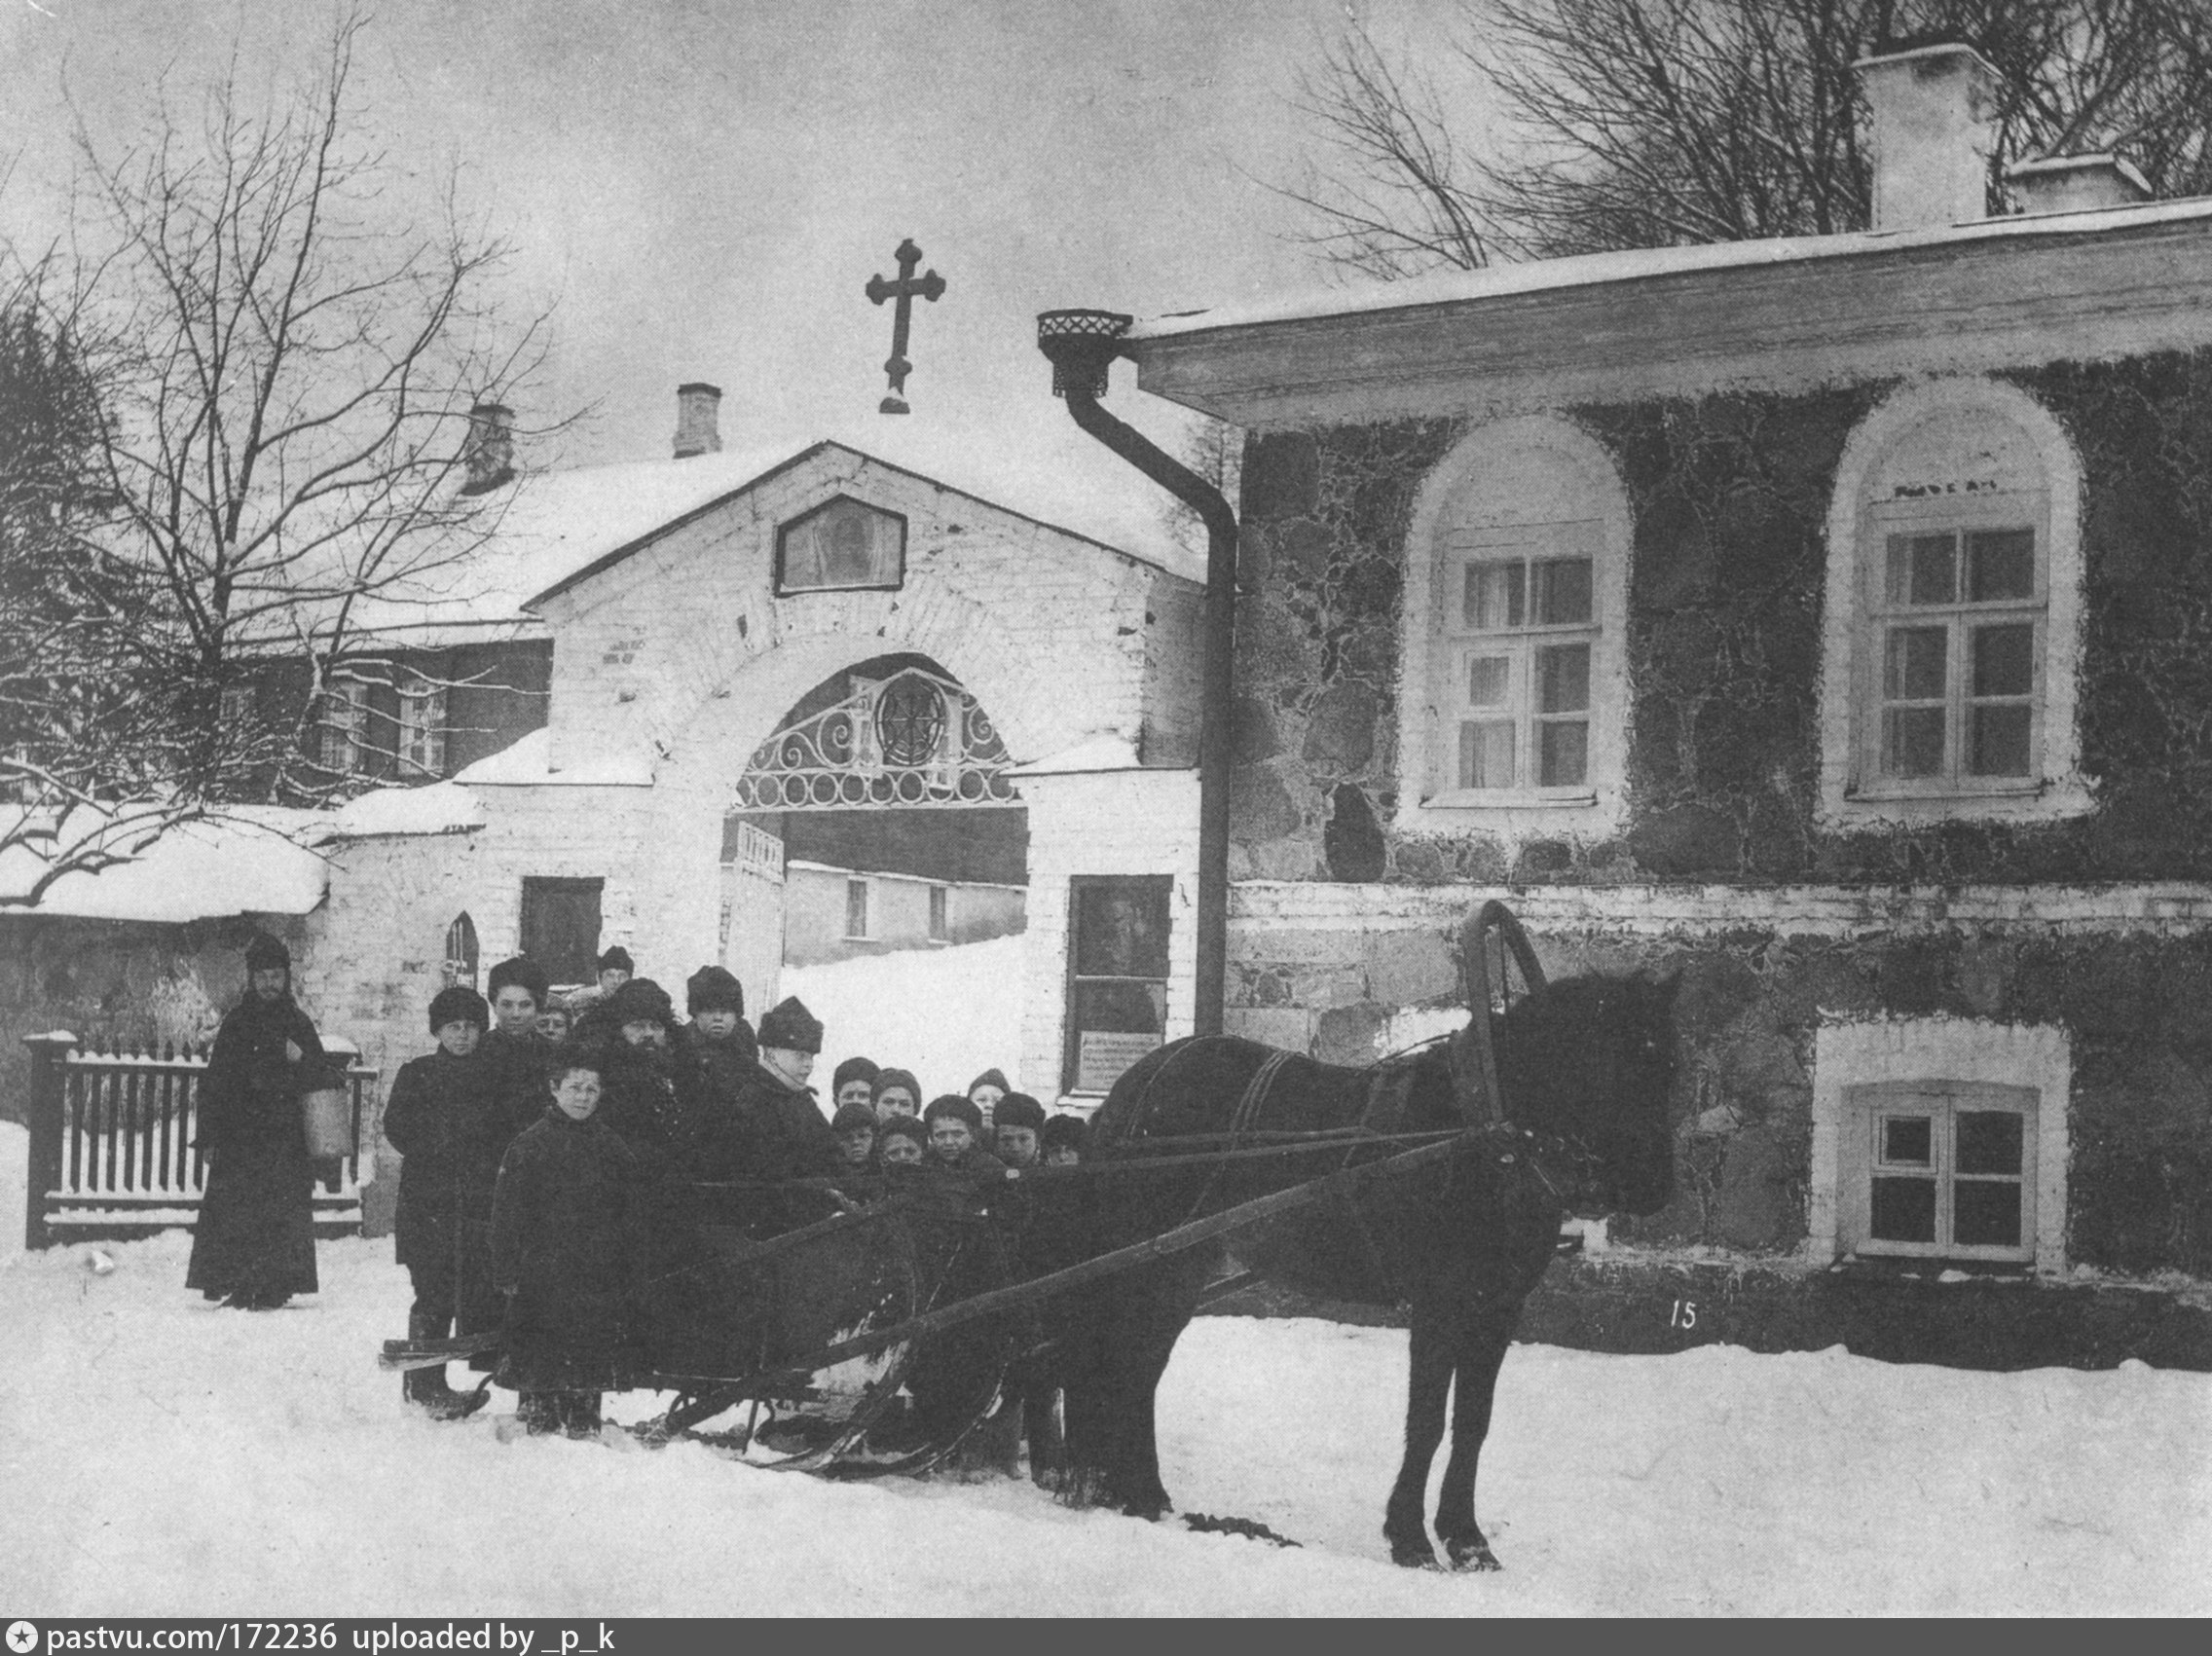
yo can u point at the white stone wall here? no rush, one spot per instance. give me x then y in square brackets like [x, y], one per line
[1134, 822]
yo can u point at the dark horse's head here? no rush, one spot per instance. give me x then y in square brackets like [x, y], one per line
[1592, 1060]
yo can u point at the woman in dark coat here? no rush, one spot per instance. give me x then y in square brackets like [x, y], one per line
[253, 1247]
[565, 1252]
[444, 1118]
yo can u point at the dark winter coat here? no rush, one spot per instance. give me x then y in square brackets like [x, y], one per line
[651, 1098]
[515, 1084]
[772, 1131]
[254, 1236]
[443, 1118]
[565, 1239]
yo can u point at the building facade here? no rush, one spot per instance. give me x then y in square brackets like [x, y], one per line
[1825, 622]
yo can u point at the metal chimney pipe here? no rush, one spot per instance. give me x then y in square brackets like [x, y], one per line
[1082, 346]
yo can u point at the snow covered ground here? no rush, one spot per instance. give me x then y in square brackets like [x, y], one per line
[948, 1013]
[163, 1458]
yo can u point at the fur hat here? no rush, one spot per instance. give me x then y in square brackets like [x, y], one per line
[617, 959]
[789, 1025]
[264, 953]
[990, 1077]
[574, 1055]
[640, 1001]
[853, 1069]
[886, 1079]
[458, 1005]
[851, 1116]
[711, 988]
[1062, 1131]
[959, 1108]
[1019, 1110]
[522, 972]
[901, 1126]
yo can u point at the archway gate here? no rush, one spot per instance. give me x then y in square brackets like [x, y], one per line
[910, 740]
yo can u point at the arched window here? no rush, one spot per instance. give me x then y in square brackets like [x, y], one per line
[1516, 605]
[461, 952]
[1953, 612]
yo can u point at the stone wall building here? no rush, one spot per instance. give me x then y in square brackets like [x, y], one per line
[1825, 621]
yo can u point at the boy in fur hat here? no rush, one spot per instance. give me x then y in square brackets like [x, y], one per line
[854, 1125]
[1061, 1141]
[854, 1083]
[902, 1142]
[1016, 1126]
[956, 1128]
[896, 1093]
[439, 1119]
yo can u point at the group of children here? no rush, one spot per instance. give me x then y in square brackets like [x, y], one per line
[555, 1152]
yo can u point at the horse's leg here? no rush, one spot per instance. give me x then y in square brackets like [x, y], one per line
[1484, 1338]
[1430, 1348]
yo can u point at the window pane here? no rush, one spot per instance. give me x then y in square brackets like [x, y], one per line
[1489, 677]
[2004, 661]
[1921, 568]
[1563, 752]
[1907, 1140]
[1563, 592]
[1562, 679]
[1485, 755]
[1989, 1141]
[1912, 741]
[1904, 1210]
[1997, 742]
[1986, 1213]
[1494, 597]
[2001, 562]
[1916, 666]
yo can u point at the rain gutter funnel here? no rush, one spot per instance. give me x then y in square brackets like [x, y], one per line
[1082, 346]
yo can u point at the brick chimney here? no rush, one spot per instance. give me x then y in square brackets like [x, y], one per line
[698, 415]
[489, 452]
[1934, 131]
[2078, 183]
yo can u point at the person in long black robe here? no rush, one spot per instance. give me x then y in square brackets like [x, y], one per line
[253, 1246]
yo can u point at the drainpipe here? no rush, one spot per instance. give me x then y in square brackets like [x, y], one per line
[1082, 346]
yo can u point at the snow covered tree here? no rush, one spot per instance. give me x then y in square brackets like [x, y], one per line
[286, 365]
[1654, 122]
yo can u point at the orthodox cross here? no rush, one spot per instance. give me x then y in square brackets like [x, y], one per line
[929, 285]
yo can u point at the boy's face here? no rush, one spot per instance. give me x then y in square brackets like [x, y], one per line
[896, 1101]
[612, 979]
[855, 1092]
[854, 1145]
[553, 1024]
[1017, 1145]
[951, 1139]
[1062, 1155]
[516, 1009]
[986, 1097]
[902, 1150]
[644, 1032]
[577, 1092]
[459, 1037]
[715, 1023]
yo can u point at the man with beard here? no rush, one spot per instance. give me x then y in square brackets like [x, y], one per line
[253, 1247]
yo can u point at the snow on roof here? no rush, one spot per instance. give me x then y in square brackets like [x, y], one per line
[250, 860]
[555, 525]
[527, 762]
[1637, 263]
[1099, 752]
[438, 807]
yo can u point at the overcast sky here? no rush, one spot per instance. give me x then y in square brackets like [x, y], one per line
[702, 190]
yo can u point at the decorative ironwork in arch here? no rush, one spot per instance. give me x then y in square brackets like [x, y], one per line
[913, 739]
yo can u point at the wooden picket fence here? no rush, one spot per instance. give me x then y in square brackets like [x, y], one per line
[111, 1152]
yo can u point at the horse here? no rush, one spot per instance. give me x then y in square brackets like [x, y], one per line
[1575, 1120]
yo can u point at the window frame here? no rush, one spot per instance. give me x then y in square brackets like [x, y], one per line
[1159, 888]
[786, 531]
[1859, 1060]
[2042, 494]
[345, 735]
[423, 715]
[1544, 483]
[1867, 1105]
